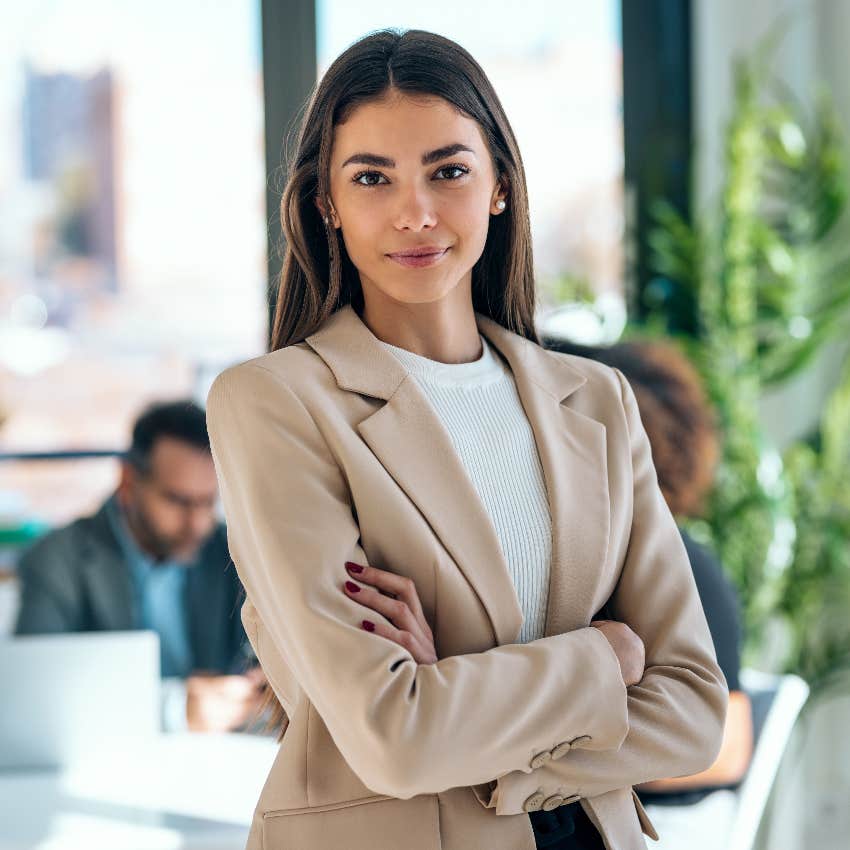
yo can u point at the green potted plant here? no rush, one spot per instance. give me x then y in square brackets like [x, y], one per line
[766, 275]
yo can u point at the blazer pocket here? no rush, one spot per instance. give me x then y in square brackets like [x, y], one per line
[362, 824]
[643, 817]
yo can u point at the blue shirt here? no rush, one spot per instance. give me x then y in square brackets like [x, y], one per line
[159, 596]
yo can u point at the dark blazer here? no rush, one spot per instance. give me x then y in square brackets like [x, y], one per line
[75, 579]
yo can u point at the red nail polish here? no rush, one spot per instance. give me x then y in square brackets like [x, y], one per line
[369, 625]
[352, 587]
[354, 568]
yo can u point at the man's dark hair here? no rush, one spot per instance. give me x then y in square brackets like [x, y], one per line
[182, 419]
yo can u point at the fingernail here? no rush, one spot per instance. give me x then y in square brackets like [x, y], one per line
[354, 568]
[369, 625]
[350, 585]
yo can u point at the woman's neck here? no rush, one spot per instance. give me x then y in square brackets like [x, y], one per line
[444, 330]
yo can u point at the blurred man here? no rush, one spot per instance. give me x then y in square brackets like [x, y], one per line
[154, 557]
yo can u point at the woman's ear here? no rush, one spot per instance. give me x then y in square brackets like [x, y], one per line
[499, 201]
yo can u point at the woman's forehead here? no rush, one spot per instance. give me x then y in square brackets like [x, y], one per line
[401, 126]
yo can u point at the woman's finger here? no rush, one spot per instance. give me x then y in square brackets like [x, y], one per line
[400, 587]
[395, 610]
[421, 653]
[396, 598]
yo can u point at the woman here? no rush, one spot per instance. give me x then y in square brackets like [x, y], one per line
[489, 497]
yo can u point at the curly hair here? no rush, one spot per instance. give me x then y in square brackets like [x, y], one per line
[679, 421]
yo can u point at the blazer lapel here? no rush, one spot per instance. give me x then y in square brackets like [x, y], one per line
[410, 441]
[573, 453]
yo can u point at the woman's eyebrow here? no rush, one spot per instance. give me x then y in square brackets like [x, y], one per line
[427, 158]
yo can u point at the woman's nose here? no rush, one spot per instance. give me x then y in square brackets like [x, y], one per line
[415, 210]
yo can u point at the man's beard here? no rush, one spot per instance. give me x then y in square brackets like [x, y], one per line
[160, 547]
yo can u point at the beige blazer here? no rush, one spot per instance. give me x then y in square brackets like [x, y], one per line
[326, 451]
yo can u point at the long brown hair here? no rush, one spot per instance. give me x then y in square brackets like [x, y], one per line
[318, 277]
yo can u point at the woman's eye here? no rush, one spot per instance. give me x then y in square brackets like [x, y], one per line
[368, 178]
[452, 172]
[375, 178]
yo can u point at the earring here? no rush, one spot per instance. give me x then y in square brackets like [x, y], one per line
[500, 204]
[325, 219]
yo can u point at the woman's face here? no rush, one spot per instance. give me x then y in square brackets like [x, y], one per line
[412, 187]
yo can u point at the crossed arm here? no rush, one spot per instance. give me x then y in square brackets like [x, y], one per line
[731, 763]
[401, 725]
[677, 711]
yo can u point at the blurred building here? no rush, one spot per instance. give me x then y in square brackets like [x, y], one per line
[68, 141]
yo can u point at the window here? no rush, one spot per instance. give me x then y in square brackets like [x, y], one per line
[132, 224]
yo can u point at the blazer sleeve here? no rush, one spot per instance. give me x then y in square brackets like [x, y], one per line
[404, 728]
[678, 709]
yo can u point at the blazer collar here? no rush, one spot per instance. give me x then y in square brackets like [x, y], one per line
[406, 436]
[362, 365]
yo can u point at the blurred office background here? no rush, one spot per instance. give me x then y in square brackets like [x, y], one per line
[141, 147]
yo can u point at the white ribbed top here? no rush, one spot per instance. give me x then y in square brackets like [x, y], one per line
[479, 405]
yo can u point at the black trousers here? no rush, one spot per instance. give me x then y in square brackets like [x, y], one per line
[565, 828]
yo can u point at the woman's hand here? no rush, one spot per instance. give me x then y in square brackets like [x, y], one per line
[627, 646]
[394, 597]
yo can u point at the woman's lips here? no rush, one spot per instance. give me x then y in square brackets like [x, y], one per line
[419, 260]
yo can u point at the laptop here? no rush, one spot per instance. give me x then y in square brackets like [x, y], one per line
[67, 697]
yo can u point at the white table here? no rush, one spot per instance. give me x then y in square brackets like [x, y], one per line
[183, 791]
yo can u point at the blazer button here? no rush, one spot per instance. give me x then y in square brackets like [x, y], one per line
[540, 759]
[577, 742]
[561, 750]
[533, 803]
[552, 802]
